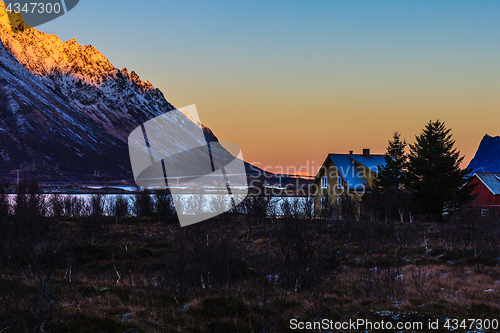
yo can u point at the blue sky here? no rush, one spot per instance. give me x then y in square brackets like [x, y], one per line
[290, 81]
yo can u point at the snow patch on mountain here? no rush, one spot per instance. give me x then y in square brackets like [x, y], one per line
[66, 104]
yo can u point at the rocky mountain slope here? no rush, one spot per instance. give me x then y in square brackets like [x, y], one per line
[65, 107]
[487, 158]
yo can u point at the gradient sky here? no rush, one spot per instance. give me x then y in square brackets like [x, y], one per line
[291, 81]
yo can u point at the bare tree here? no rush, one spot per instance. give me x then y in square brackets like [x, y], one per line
[120, 207]
[142, 203]
[164, 209]
[57, 205]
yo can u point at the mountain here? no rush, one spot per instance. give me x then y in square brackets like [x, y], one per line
[65, 109]
[487, 158]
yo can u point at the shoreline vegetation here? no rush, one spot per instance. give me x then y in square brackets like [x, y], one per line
[301, 190]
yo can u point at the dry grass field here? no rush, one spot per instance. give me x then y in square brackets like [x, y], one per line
[240, 272]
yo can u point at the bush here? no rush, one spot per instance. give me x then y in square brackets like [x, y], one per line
[164, 209]
[120, 207]
[142, 203]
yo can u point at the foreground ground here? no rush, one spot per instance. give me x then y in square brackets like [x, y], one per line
[244, 273]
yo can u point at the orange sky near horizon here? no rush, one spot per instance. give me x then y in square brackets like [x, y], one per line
[299, 129]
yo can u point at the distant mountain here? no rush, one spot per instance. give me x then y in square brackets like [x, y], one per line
[487, 158]
[64, 108]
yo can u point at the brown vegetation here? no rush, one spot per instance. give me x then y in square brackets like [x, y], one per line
[84, 271]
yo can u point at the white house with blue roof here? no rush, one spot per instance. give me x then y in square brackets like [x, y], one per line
[340, 173]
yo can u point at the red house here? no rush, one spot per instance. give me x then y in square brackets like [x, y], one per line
[488, 193]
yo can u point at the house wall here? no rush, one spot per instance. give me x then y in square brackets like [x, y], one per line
[331, 192]
[331, 172]
[485, 199]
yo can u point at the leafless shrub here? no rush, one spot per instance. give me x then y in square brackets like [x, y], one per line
[468, 232]
[259, 206]
[42, 260]
[74, 206]
[142, 203]
[56, 203]
[290, 207]
[4, 200]
[485, 240]
[346, 205]
[28, 262]
[220, 203]
[29, 201]
[328, 209]
[420, 280]
[265, 283]
[386, 282]
[6, 227]
[164, 209]
[175, 274]
[365, 283]
[120, 207]
[205, 260]
[196, 203]
[37, 203]
[306, 207]
[305, 259]
[393, 283]
[97, 204]
[241, 207]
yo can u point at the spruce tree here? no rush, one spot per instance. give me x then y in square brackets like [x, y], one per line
[388, 193]
[434, 173]
[392, 174]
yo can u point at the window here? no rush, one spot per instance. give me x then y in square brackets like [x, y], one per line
[324, 182]
[485, 212]
[323, 202]
[340, 182]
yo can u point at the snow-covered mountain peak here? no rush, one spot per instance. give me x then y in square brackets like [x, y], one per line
[46, 55]
[64, 106]
[136, 81]
[79, 71]
[62, 103]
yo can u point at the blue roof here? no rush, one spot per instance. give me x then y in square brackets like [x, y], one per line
[348, 169]
[491, 181]
[372, 162]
